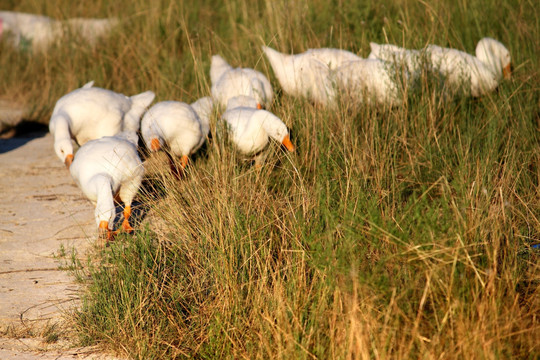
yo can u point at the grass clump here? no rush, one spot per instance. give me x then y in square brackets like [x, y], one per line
[389, 233]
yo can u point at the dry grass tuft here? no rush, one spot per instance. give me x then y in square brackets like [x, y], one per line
[388, 234]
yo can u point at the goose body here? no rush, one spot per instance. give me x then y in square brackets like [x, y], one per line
[411, 60]
[175, 124]
[228, 82]
[90, 113]
[203, 107]
[333, 58]
[107, 167]
[250, 128]
[370, 80]
[309, 74]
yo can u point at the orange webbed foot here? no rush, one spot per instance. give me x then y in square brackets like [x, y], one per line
[127, 227]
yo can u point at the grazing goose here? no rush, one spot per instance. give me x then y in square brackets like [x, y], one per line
[39, 32]
[475, 75]
[309, 74]
[89, 113]
[178, 125]
[108, 167]
[250, 127]
[461, 71]
[371, 80]
[228, 82]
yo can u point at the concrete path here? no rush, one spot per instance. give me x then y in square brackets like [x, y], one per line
[42, 211]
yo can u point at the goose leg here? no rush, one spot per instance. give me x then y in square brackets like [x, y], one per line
[184, 161]
[175, 170]
[125, 224]
[105, 234]
[127, 193]
[260, 159]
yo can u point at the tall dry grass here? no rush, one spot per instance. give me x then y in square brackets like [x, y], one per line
[389, 233]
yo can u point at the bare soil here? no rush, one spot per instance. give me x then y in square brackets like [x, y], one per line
[43, 215]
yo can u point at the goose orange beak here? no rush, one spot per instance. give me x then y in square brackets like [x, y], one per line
[287, 143]
[68, 160]
[259, 106]
[155, 145]
[507, 71]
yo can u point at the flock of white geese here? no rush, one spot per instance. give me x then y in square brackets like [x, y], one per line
[105, 123]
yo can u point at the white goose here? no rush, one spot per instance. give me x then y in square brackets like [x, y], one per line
[475, 75]
[372, 81]
[89, 113]
[178, 125]
[309, 74]
[228, 82]
[40, 32]
[108, 167]
[250, 127]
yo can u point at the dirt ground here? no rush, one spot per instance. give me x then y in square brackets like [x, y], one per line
[42, 214]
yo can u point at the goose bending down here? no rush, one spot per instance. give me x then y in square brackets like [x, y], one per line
[250, 128]
[309, 74]
[90, 113]
[475, 75]
[108, 167]
[228, 82]
[178, 125]
[371, 80]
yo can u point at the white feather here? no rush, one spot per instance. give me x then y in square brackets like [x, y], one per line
[90, 113]
[228, 82]
[105, 167]
[251, 128]
[176, 125]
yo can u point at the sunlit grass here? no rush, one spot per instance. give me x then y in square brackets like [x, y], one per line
[389, 233]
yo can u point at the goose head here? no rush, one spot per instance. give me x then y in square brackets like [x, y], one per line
[496, 56]
[64, 150]
[275, 128]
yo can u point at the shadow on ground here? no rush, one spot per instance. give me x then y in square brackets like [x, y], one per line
[20, 134]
